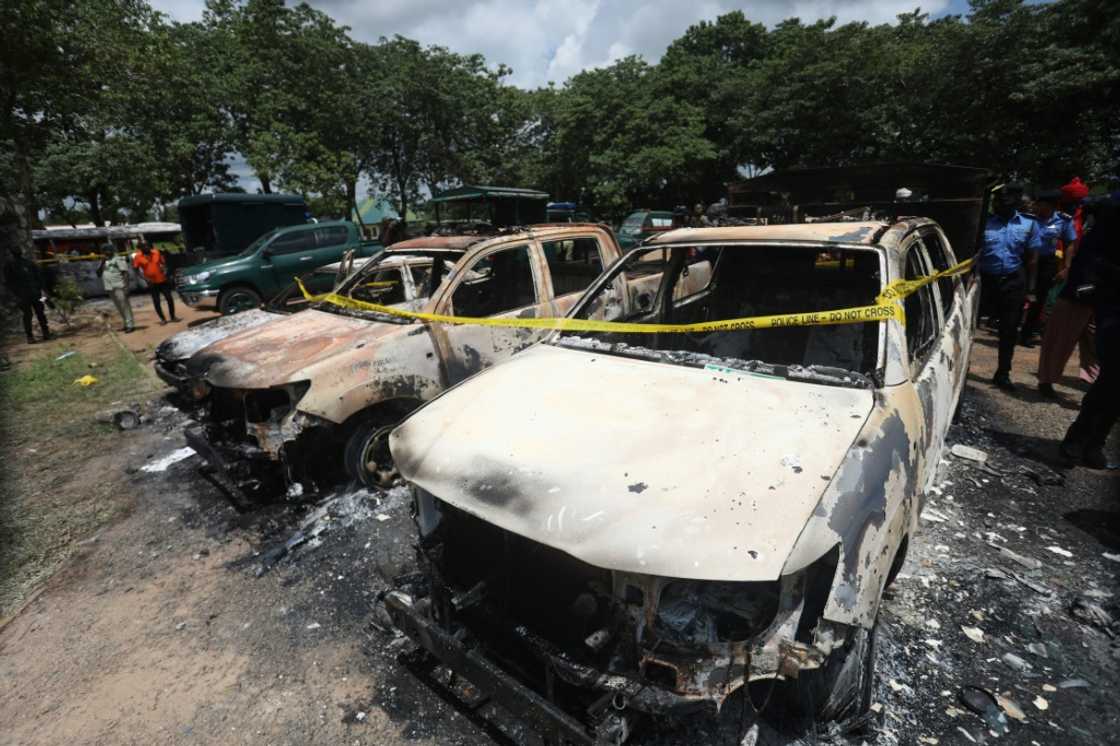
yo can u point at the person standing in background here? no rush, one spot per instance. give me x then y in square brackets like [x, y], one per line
[114, 277]
[1074, 195]
[153, 266]
[1071, 320]
[1055, 229]
[1008, 260]
[1100, 408]
[26, 282]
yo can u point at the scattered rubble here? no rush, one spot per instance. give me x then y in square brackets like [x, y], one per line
[974, 633]
[174, 457]
[968, 452]
[984, 704]
[1092, 613]
[121, 416]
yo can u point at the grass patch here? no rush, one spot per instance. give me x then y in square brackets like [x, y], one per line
[41, 399]
[53, 451]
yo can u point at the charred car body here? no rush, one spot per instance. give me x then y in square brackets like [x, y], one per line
[286, 396]
[622, 524]
[173, 353]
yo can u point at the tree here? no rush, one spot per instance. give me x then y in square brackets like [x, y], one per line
[290, 71]
[179, 108]
[713, 67]
[440, 118]
[616, 140]
[60, 65]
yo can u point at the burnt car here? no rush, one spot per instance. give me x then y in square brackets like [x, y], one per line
[287, 397]
[615, 525]
[173, 353]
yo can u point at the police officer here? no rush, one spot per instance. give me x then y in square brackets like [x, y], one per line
[1054, 228]
[1008, 262]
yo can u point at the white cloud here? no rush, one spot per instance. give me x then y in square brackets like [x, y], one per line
[545, 40]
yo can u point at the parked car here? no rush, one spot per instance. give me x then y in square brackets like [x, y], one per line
[641, 224]
[285, 397]
[172, 354]
[268, 265]
[618, 525]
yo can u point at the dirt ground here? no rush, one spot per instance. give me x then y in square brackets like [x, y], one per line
[179, 620]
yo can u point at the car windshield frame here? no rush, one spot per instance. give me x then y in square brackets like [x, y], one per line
[811, 373]
[451, 256]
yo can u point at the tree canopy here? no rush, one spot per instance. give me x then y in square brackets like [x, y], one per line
[114, 110]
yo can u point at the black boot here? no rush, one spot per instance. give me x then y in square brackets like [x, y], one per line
[1002, 379]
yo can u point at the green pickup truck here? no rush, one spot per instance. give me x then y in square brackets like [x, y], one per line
[268, 265]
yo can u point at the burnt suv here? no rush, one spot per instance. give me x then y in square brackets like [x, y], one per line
[619, 524]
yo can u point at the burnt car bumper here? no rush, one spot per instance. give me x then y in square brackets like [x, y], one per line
[233, 469]
[173, 373]
[505, 689]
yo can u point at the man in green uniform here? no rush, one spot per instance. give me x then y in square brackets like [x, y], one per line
[114, 276]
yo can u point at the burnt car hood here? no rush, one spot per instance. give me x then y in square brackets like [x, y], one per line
[186, 343]
[292, 348]
[636, 466]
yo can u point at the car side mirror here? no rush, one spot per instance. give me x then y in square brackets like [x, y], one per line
[266, 253]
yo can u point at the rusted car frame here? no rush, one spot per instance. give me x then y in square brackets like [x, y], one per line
[640, 526]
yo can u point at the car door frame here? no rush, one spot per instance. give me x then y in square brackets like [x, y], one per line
[451, 340]
[932, 383]
[559, 305]
[958, 322]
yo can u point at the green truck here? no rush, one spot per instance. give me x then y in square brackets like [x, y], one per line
[268, 265]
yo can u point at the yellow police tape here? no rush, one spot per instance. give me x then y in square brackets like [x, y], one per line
[887, 306]
[64, 258]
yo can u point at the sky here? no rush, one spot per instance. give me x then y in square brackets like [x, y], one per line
[551, 40]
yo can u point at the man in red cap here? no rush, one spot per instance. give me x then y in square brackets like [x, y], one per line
[1073, 194]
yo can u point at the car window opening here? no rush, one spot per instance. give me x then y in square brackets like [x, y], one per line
[381, 281]
[496, 283]
[691, 284]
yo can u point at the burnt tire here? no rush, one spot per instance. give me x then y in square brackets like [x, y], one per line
[238, 298]
[366, 458]
[841, 689]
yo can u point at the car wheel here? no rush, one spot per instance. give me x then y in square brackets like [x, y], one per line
[367, 458]
[238, 298]
[842, 688]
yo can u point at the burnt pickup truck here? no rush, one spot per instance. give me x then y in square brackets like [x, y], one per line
[618, 526]
[285, 396]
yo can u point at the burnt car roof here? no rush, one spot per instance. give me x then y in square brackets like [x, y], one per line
[460, 243]
[848, 232]
[873, 234]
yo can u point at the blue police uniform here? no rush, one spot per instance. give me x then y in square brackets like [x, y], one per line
[1006, 243]
[1057, 228]
[1002, 261]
